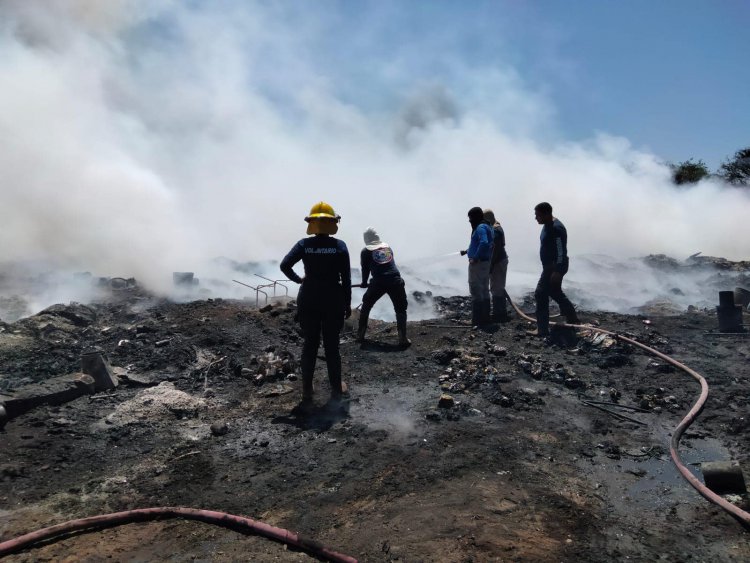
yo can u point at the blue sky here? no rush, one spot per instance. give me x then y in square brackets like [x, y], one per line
[669, 75]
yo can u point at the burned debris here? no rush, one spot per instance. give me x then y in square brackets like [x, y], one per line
[501, 423]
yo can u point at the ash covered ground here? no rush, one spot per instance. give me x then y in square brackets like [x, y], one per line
[515, 466]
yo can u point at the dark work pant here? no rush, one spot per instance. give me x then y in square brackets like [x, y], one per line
[395, 289]
[321, 312]
[544, 290]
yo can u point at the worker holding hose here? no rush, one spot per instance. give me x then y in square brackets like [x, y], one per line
[553, 253]
[479, 252]
[498, 268]
[324, 298]
[377, 259]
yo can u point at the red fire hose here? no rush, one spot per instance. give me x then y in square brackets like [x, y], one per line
[239, 523]
[738, 513]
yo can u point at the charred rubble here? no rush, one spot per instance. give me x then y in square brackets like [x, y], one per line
[530, 445]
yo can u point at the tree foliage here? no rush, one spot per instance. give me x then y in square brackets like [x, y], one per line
[689, 172]
[737, 170]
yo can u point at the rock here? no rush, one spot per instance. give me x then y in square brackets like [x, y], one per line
[95, 364]
[444, 355]
[219, 428]
[446, 401]
[498, 350]
[78, 314]
[525, 366]
[724, 477]
[277, 390]
[86, 382]
[53, 391]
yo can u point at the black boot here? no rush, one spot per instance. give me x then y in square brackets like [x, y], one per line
[486, 312]
[476, 312]
[363, 318]
[401, 326]
[499, 312]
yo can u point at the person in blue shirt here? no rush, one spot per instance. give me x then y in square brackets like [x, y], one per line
[377, 259]
[553, 252]
[479, 253]
[324, 298]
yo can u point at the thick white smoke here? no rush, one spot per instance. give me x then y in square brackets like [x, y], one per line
[142, 138]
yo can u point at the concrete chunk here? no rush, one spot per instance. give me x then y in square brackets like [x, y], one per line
[55, 391]
[724, 477]
[95, 364]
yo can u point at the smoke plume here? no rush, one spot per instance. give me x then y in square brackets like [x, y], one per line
[144, 137]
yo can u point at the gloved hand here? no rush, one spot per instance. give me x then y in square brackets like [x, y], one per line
[463, 253]
[363, 284]
[348, 312]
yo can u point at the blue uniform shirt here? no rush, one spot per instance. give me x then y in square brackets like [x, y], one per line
[553, 250]
[480, 247]
[379, 263]
[326, 262]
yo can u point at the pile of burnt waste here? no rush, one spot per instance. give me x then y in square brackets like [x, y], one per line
[493, 371]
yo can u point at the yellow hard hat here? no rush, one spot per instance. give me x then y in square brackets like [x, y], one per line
[322, 220]
[322, 210]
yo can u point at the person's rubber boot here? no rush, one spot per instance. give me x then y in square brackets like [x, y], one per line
[362, 329]
[307, 387]
[499, 312]
[538, 333]
[476, 313]
[402, 339]
[495, 309]
[486, 317]
[338, 402]
[305, 406]
[401, 326]
[337, 388]
[573, 319]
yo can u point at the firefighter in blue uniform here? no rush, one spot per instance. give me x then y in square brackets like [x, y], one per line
[377, 260]
[324, 298]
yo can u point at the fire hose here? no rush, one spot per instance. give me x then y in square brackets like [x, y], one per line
[241, 523]
[741, 515]
[238, 523]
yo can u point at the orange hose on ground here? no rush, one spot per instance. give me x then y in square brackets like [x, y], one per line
[239, 523]
[741, 515]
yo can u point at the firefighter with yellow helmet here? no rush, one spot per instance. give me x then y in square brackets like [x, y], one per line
[324, 298]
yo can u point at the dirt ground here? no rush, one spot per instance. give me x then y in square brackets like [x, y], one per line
[519, 468]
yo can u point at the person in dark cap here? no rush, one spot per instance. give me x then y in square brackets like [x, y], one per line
[479, 254]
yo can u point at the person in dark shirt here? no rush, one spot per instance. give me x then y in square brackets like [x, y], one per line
[479, 253]
[498, 268]
[553, 252]
[377, 259]
[324, 298]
